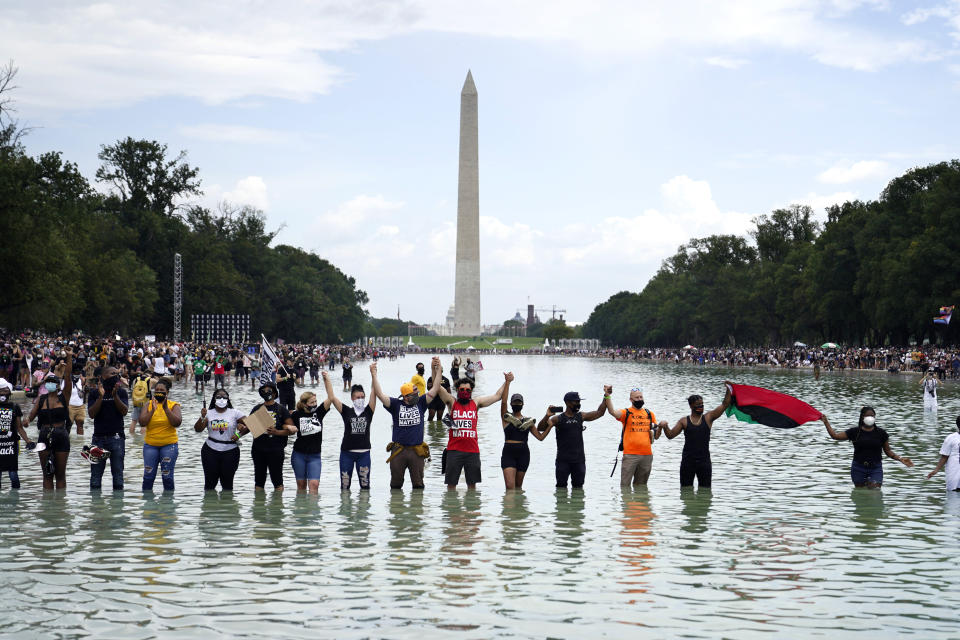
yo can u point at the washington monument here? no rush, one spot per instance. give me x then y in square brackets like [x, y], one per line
[467, 288]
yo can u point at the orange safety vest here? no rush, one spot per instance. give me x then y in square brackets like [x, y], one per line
[637, 435]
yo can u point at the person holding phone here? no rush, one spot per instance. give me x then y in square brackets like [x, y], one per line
[571, 462]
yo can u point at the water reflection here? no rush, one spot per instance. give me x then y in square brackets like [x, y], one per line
[568, 519]
[868, 513]
[696, 508]
[637, 543]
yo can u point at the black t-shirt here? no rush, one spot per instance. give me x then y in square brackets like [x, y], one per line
[570, 438]
[867, 445]
[9, 436]
[108, 420]
[312, 426]
[356, 428]
[347, 371]
[285, 388]
[267, 442]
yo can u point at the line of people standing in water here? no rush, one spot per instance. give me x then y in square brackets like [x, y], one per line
[419, 401]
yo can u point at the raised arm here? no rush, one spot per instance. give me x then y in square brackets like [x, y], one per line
[608, 402]
[437, 373]
[836, 435]
[546, 423]
[68, 374]
[326, 383]
[486, 401]
[331, 398]
[372, 402]
[713, 414]
[590, 416]
[375, 386]
[504, 403]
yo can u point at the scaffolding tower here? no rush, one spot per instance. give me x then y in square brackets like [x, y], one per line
[177, 295]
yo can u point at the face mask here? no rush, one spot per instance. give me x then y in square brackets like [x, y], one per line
[464, 395]
[311, 408]
[869, 421]
[359, 404]
[420, 370]
[4, 397]
[159, 397]
[266, 394]
[50, 386]
[638, 404]
[575, 407]
[516, 407]
[221, 403]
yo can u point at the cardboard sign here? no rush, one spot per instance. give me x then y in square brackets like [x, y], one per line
[258, 421]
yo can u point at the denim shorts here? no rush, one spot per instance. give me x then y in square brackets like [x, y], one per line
[864, 473]
[306, 466]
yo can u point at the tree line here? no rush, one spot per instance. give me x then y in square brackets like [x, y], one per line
[77, 258]
[874, 273]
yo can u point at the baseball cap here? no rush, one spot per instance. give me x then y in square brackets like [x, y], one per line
[516, 396]
[407, 388]
[571, 396]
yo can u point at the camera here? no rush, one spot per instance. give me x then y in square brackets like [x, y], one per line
[555, 409]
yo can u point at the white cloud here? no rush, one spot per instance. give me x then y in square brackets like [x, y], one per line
[356, 217]
[251, 190]
[819, 202]
[84, 54]
[235, 133]
[726, 63]
[922, 14]
[862, 170]
[594, 258]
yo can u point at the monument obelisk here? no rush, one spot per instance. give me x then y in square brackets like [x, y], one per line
[467, 287]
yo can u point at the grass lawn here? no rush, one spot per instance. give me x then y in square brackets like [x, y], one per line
[483, 343]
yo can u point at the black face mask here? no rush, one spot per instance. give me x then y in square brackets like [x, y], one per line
[266, 394]
[420, 370]
[575, 407]
[111, 382]
[638, 404]
[516, 407]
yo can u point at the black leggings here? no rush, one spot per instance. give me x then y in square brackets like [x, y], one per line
[264, 461]
[699, 467]
[576, 471]
[219, 466]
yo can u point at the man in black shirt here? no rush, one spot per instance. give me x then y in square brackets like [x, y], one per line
[571, 459]
[108, 405]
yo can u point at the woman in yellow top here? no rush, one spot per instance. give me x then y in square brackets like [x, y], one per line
[160, 419]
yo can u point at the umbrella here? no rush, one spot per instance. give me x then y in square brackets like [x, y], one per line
[689, 346]
[829, 345]
[799, 344]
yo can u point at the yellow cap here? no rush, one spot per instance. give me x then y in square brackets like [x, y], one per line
[407, 388]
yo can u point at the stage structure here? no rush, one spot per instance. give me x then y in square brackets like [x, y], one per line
[177, 295]
[220, 327]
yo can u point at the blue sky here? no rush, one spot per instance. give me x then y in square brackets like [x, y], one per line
[610, 132]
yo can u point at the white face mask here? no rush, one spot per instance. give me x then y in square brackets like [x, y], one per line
[221, 403]
[869, 421]
[359, 404]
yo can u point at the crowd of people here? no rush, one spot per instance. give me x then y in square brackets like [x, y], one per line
[125, 385]
[944, 361]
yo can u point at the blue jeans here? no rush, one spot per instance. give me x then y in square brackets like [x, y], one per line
[164, 457]
[116, 447]
[14, 479]
[862, 474]
[306, 466]
[349, 460]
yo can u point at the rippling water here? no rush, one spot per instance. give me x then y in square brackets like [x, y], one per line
[782, 547]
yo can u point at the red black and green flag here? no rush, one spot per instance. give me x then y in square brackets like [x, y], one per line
[757, 405]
